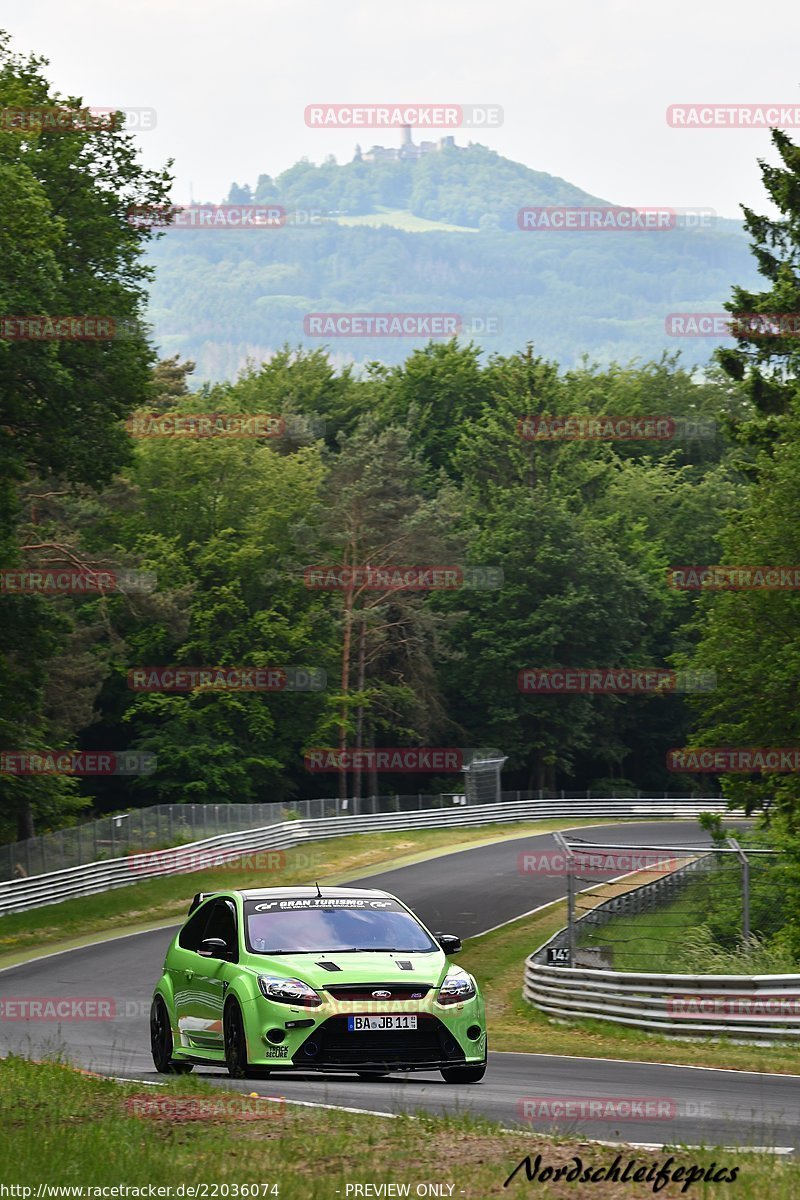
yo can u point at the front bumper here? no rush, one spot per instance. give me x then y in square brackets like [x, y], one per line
[318, 1039]
[331, 1047]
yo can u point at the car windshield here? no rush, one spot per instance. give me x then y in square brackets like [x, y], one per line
[322, 925]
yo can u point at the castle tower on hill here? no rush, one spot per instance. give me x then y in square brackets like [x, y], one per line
[407, 151]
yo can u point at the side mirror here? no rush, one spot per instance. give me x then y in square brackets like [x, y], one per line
[214, 948]
[449, 942]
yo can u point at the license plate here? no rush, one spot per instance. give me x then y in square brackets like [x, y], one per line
[389, 1021]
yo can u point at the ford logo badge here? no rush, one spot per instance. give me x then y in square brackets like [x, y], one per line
[381, 995]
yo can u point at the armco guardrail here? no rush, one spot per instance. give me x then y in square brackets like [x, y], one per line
[751, 1006]
[120, 834]
[17, 895]
[760, 1007]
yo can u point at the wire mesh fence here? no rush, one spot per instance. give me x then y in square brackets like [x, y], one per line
[696, 911]
[163, 826]
[482, 781]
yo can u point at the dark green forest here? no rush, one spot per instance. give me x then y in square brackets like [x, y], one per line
[418, 461]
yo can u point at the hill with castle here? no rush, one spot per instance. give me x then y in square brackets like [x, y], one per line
[408, 150]
[434, 180]
[432, 227]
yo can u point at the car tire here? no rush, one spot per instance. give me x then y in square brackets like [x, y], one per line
[236, 1045]
[161, 1045]
[471, 1074]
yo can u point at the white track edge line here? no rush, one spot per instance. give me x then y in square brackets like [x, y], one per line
[371, 1112]
[643, 1062]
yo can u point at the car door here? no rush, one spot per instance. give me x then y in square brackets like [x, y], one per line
[187, 969]
[211, 977]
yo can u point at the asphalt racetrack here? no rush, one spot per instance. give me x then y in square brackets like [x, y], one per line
[465, 893]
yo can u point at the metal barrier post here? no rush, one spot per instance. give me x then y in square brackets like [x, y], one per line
[570, 865]
[743, 859]
[571, 909]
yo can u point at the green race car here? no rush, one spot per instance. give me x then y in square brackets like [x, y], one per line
[331, 979]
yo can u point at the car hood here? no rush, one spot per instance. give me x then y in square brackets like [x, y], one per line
[354, 967]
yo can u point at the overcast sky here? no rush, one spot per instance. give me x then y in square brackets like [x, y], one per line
[584, 84]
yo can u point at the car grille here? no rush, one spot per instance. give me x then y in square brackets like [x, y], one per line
[363, 991]
[331, 1046]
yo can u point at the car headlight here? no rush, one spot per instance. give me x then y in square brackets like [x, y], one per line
[457, 986]
[288, 991]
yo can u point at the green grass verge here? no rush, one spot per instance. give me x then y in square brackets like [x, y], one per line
[650, 942]
[67, 1129]
[156, 902]
[496, 960]
[681, 933]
